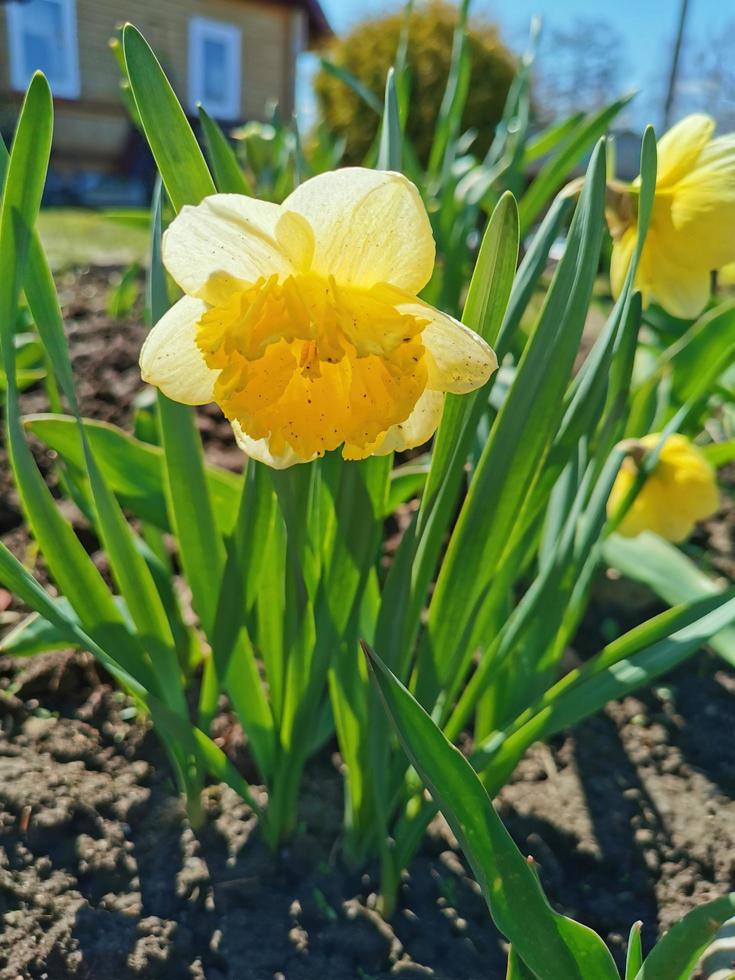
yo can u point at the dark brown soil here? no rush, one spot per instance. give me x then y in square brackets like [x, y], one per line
[629, 817]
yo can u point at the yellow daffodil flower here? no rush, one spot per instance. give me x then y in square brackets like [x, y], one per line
[691, 232]
[681, 490]
[726, 275]
[301, 320]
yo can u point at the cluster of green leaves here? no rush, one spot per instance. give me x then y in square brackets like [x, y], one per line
[544, 944]
[133, 634]
[684, 372]
[492, 576]
[269, 157]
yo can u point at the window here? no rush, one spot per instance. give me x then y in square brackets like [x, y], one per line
[214, 67]
[42, 34]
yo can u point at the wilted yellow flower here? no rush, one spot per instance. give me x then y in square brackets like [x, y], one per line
[692, 224]
[681, 490]
[302, 321]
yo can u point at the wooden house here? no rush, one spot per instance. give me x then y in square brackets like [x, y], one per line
[233, 56]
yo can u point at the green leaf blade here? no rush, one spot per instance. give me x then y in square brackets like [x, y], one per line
[514, 453]
[675, 956]
[228, 174]
[552, 946]
[172, 142]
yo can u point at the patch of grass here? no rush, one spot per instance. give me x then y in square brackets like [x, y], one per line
[75, 236]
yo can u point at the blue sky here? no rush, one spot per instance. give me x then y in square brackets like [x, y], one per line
[647, 29]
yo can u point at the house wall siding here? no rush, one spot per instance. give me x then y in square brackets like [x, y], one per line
[94, 129]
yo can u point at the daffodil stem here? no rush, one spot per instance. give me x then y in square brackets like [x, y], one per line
[280, 817]
[389, 881]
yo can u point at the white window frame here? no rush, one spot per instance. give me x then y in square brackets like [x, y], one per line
[201, 29]
[68, 86]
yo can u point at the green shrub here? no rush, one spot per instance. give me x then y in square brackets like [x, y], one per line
[368, 51]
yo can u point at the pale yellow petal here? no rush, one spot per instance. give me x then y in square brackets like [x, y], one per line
[683, 295]
[170, 358]
[222, 244]
[258, 449]
[680, 147]
[296, 238]
[370, 227]
[676, 505]
[681, 490]
[682, 290]
[638, 518]
[459, 360]
[691, 232]
[703, 207]
[418, 428]
[622, 253]
[691, 228]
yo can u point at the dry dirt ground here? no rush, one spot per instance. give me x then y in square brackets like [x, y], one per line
[629, 817]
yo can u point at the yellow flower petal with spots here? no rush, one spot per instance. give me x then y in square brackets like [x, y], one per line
[302, 322]
[691, 230]
[681, 490]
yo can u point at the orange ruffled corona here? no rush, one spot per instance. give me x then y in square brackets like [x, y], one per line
[301, 320]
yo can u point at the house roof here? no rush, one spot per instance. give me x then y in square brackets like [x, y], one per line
[319, 26]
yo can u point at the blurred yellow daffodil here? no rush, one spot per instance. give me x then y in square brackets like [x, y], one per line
[301, 320]
[691, 232]
[726, 275]
[681, 490]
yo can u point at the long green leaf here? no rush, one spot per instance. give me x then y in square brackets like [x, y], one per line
[485, 307]
[514, 453]
[517, 969]
[135, 470]
[173, 144]
[34, 634]
[454, 98]
[233, 656]
[549, 138]
[71, 567]
[673, 576]
[556, 169]
[624, 666]
[530, 271]
[201, 546]
[228, 174]
[552, 946]
[599, 385]
[358, 505]
[127, 562]
[705, 351]
[352, 81]
[389, 152]
[406, 481]
[154, 624]
[634, 953]
[675, 956]
[484, 310]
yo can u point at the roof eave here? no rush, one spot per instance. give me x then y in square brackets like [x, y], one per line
[320, 29]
